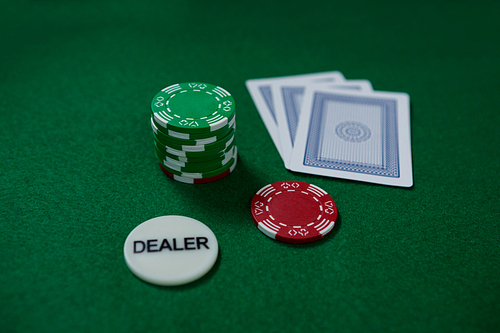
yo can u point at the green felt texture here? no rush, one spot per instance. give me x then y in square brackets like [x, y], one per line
[79, 170]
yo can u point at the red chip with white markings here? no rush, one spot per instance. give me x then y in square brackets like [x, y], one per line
[294, 211]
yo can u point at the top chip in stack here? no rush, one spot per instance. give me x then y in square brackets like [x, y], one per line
[193, 128]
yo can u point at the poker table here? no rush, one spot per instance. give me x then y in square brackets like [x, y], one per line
[79, 171]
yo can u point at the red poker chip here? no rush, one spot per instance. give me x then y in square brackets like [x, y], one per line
[294, 211]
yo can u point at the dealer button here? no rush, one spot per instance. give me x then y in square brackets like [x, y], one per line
[171, 250]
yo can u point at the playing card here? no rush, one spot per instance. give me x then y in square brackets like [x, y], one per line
[354, 135]
[261, 93]
[288, 104]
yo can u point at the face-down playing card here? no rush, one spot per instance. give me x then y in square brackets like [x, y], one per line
[262, 95]
[289, 97]
[354, 135]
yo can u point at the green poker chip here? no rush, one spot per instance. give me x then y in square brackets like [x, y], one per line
[196, 151]
[192, 107]
[203, 174]
[201, 162]
[199, 167]
[193, 154]
[218, 144]
[195, 161]
[175, 138]
[157, 128]
[219, 156]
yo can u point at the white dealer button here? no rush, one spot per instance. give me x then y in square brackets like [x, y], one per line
[170, 250]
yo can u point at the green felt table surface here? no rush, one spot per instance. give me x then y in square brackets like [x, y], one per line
[79, 170]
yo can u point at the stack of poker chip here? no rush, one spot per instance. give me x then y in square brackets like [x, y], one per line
[193, 128]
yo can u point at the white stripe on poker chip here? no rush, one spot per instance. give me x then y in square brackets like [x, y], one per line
[214, 126]
[171, 250]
